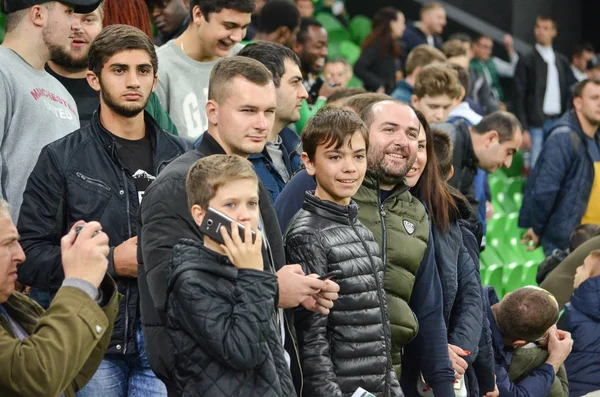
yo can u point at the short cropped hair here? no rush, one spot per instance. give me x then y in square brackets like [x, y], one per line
[421, 56]
[462, 37]
[209, 174]
[546, 18]
[580, 86]
[305, 24]
[526, 314]
[428, 7]
[207, 7]
[330, 127]
[359, 102]
[435, 80]
[14, 18]
[278, 13]
[444, 151]
[582, 234]
[454, 48]
[463, 77]
[504, 123]
[114, 39]
[272, 55]
[227, 69]
[581, 48]
[345, 93]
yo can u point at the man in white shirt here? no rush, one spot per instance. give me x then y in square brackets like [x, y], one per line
[542, 82]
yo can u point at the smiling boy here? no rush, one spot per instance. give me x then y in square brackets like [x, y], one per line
[327, 236]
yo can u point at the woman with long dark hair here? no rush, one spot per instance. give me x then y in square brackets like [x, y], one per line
[457, 265]
[381, 55]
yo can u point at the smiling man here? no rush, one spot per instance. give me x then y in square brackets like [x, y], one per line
[171, 18]
[100, 173]
[215, 31]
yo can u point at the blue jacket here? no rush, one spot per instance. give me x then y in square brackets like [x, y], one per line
[559, 187]
[413, 37]
[425, 300]
[403, 92]
[582, 317]
[264, 167]
[538, 383]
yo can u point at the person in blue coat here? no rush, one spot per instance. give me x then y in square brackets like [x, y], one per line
[582, 319]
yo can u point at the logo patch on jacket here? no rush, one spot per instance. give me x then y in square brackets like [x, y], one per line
[409, 227]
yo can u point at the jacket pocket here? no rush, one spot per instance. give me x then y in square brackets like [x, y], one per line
[87, 197]
[90, 183]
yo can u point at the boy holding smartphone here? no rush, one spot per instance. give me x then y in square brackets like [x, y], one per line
[350, 347]
[221, 304]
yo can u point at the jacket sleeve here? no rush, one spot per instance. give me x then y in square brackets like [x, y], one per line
[42, 223]
[363, 67]
[465, 325]
[290, 200]
[521, 89]
[550, 170]
[232, 329]
[311, 328]
[560, 387]
[431, 343]
[484, 362]
[537, 383]
[67, 344]
[486, 99]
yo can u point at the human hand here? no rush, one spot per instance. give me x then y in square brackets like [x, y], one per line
[526, 144]
[494, 393]
[323, 301]
[458, 364]
[84, 254]
[560, 344]
[326, 90]
[125, 258]
[532, 239]
[295, 287]
[509, 44]
[489, 210]
[243, 254]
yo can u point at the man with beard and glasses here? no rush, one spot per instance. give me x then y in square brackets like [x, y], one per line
[70, 67]
[100, 173]
[401, 226]
[215, 31]
[35, 109]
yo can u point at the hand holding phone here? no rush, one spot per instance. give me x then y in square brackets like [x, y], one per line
[331, 275]
[212, 222]
[246, 253]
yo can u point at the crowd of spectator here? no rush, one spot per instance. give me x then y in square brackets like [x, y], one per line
[198, 199]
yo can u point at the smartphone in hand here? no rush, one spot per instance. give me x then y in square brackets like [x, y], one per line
[212, 222]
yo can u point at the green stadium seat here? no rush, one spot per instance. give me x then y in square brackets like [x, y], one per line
[497, 185]
[512, 277]
[518, 199]
[529, 272]
[515, 185]
[2, 26]
[355, 82]
[360, 27]
[536, 255]
[493, 277]
[503, 202]
[329, 22]
[511, 226]
[489, 257]
[516, 167]
[336, 38]
[349, 51]
[496, 225]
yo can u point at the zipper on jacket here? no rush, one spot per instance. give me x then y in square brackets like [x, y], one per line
[384, 321]
[126, 187]
[93, 181]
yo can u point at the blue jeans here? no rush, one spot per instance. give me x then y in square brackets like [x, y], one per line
[538, 137]
[125, 376]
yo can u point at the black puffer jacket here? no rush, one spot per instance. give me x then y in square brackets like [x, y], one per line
[350, 348]
[224, 327]
[80, 177]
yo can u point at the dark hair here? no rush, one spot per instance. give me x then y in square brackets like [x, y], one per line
[382, 33]
[272, 55]
[277, 13]
[546, 18]
[118, 38]
[207, 7]
[331, 126]
[345, 93]
[504, 123]
[305, 24]
[463, 77]
[430, 188]
[579, 87]
[443, 149]
[421, 56]
[462, 37]
[127, 12]
[581, 48]
[582, 234]
[526, 314]
[227, 69]
[482, 36]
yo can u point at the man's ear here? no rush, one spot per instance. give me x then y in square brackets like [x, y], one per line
[414, 99]
[451, 173]
[38, 14]
[491, 137]
[577, 103]
[283, 34]
[197, 16]
[155, 82]
[93, 80]
[519, 343]
[309, 165]
[212, 112]
[198, 214]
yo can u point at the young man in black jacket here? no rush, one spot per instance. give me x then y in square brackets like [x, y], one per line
[241, 112]
[100, 173]
[222, 318]
[327, 236]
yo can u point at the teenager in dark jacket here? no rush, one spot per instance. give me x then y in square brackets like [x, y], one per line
[349, 348]
[582, 319]
[237, 84]
[381, 55]
[561, 193]
[100, 173]
[222, 319]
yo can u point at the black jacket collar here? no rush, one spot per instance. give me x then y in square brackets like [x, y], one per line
[344, 214]
[209, 145]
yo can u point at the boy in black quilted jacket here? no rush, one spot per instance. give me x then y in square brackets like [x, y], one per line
[350, 347]
[222, 315]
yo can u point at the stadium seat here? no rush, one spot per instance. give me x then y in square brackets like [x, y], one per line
[329, 22]
[496, 185]
[2, 26]
[512, 277]
[493, 277]
[518, 199]
[516, 167]
[336, 38]
[355, 82]
[360, 27]
[511, 226]
[489, 257]
[515, 185]
[503, 202]
[349, 51]
[496, 225]
[529, 272]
